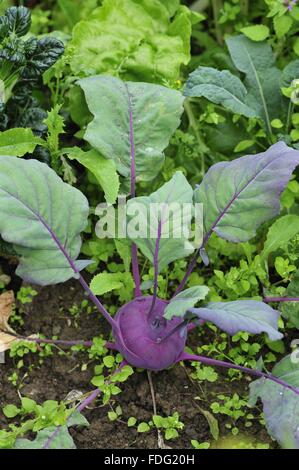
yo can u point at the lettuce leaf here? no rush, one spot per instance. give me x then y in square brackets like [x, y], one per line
[137, 40]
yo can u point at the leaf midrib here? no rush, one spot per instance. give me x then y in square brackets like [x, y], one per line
[261, 91]
[46, 226]
[234, 198]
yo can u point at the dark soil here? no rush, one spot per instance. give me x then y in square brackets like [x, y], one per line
[61, 374]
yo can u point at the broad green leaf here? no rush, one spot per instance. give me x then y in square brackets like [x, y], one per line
[78, 108]
[241, 315]
[48, 439]
[131, 118]
[106, 282]
[162, 208]
[18, 141]
[240, 195]
[257, 60]
[283, 230]
[257, 32]
[220, 87]
[280, 405]
[282, 24]
[186, 299]
[290, 310]
[42, 217]
[103, 170]
[142, 41]
[288, 370]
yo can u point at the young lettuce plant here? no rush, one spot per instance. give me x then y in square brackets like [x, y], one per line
[43, 218]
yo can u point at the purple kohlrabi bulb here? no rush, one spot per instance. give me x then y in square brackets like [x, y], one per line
[139, 341]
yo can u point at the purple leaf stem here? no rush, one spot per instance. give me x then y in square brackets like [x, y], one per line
[51, 438]
[214, 362]
[281, 299]
[134, 251]
[89, 400]
[156, 268]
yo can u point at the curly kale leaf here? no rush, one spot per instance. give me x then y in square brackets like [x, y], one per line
[43, 54]
[22, 63]
[19, 20]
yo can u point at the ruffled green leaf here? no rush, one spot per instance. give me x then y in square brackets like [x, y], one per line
[142, 41]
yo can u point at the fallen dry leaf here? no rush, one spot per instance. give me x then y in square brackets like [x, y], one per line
[7, 301]
[6, 340]
[6, 308]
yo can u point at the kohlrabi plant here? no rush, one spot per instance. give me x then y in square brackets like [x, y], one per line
[23, 60]
[43, 218]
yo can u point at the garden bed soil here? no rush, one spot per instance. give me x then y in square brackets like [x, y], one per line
[61, 374]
